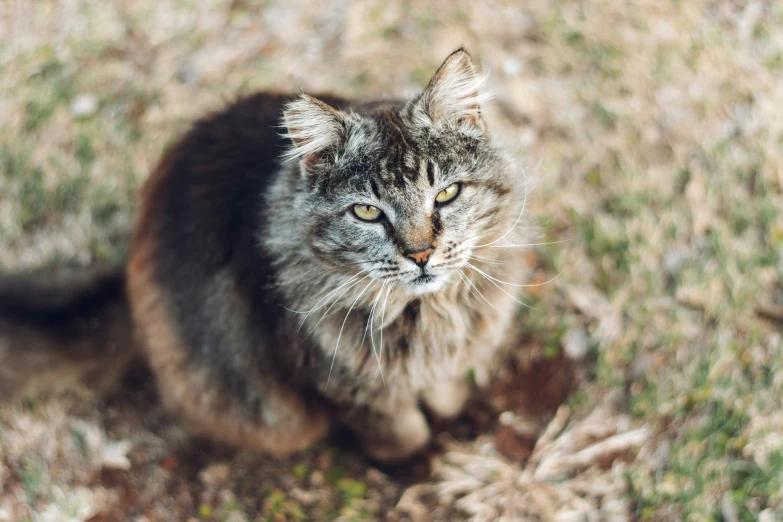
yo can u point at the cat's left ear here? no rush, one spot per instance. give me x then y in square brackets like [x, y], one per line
[316, 130]
[453, 95]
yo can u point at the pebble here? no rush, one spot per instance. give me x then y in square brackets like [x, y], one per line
[507, 418]
[575, 343]
[188, 74]
[673, 260]
[84, 106]
[512, 66]
[488, 449]
[306, 498]
[317, 478]
[214, 474]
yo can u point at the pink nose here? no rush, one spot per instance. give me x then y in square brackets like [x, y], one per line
[421, 257]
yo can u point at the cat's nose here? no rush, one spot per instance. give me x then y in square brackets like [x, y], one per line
[420, 257]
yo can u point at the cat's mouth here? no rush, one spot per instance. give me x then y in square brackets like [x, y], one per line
[426, 282]
[423, 279]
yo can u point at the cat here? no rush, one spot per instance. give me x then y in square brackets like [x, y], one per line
[350, 262]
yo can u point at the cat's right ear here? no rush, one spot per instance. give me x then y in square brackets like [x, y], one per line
[317, 130]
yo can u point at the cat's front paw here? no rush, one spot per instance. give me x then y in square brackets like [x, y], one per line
[447, 399]
[405, 434]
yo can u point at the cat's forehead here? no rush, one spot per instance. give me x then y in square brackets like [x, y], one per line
[395, 154]
[398, 144]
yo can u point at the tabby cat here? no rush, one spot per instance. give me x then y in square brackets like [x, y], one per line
[352, 262]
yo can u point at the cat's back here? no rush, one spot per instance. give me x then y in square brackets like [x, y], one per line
[197, 236]
[212, 175]
[197, 273]
[208, 187]
[199, 208]
[199, 281]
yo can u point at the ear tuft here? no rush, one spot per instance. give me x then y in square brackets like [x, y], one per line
[453, 95]
[313, 127]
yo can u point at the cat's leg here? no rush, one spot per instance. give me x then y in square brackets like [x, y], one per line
[392, 435]
[446, 399]
[231, 398]
[273, 418]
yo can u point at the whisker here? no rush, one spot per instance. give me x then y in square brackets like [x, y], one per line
[393, 277]
[316, 307]
[334, 303]
[448, 264]
[296, 281]
[543, 283]
[524, 204]
[491, 280]
[372, 337]
[311, 277]
[383, 322]
[372, 310]
[470, 283]
[513, 284]
[462, 276]
[352, 263]
[531, 244]
[337, 344]
[488, 260]
[370, 321]
[511, 296]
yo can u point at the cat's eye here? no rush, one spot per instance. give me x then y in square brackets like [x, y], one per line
[367, 212]
[447, 194]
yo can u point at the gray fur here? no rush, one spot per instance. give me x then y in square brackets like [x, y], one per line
[335, 270]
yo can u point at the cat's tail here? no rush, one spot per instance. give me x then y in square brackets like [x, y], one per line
[55, 332]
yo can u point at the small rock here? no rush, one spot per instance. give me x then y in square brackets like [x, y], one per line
[507, 418]
[187, 73]
[214, 474]
[317, 478]
[575, 343]
[84, 106]
[673, 260]
[114, 455]
[512, 66]
[488, 449]
[376, 475]
[306, 498]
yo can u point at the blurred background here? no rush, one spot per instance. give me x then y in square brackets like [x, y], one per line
[653, 131]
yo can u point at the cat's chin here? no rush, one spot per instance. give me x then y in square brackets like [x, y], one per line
[427, 284]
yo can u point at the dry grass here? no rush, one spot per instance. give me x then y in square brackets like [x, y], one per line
[658, 131]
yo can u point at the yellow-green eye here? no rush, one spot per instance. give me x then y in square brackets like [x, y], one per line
[367, 212]
[447, 194]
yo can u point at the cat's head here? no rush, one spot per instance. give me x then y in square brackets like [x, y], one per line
[403, 192]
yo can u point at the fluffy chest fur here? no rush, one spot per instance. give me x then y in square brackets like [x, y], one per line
[402, 349]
